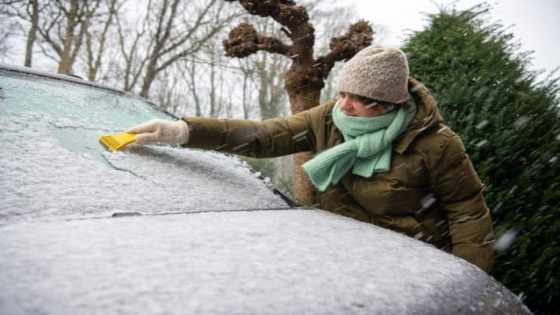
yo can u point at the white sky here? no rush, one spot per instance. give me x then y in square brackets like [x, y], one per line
[535, 23]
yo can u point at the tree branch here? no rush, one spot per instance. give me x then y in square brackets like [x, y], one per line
[295, 22]
[177, 42]
[45, 32]
[244, 41]
[285, 12]
[359, 36]
[190, 50]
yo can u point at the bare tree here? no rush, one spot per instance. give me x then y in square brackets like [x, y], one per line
[105, 19]
[63, 31]
[162, 34]
[304, 79]
[216, 82]
[204, 79]
[266, 70]
[6, 30]
[247, 73]
[176, 37]
[130, 43]
[60, 27]
[33, 12]
[5, 34]
[271, 92]
[16, 14]
[169, 92]
[191, 70]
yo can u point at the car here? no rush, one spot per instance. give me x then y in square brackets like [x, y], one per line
[166, 230]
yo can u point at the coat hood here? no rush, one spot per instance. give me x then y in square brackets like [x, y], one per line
[427, 116]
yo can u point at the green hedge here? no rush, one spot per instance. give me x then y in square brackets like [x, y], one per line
[509, 122]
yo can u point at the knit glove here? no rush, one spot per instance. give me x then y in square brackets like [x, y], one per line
[159, 130]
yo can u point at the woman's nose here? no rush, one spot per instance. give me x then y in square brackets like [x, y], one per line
[344, 103]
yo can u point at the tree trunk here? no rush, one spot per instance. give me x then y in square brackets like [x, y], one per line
[32, 33]
[304, 90]
[148, 79]
[94, 61]
[65, 63]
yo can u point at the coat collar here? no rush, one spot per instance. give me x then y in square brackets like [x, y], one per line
[427, 115]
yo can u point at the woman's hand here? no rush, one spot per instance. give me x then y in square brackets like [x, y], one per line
[159, 130]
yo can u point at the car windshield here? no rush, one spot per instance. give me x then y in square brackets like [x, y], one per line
[53, 164]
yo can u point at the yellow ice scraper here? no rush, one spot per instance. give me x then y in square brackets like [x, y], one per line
[117, 141]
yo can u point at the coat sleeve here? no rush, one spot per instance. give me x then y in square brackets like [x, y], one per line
[269, 138]
[458, 189]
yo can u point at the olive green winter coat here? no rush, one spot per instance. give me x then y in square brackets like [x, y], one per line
[432, 191]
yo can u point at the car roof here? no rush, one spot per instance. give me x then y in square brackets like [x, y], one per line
[57, 76]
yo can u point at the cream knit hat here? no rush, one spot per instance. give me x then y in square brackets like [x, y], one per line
[376, 72]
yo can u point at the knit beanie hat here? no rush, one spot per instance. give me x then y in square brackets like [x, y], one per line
[378, 73]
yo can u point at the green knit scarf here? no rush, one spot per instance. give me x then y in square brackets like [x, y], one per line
[367, 147]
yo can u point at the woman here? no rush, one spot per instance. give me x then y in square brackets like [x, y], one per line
[384, 155]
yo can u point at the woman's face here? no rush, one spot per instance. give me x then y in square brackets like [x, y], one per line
[350, 105]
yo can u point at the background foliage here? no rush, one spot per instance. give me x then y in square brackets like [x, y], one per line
[509, 123]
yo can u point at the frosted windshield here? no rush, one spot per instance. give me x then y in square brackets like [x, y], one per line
[52, 163]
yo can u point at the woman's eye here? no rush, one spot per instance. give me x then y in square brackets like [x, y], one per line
[371, 105]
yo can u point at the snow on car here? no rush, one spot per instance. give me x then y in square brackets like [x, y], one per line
[161, 229]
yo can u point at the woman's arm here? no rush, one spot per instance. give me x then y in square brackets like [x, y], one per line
[272, 137]
[458, 189]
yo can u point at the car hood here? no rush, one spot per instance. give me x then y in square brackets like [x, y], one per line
[241, 262]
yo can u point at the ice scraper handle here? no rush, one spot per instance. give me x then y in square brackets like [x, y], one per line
[159, 130]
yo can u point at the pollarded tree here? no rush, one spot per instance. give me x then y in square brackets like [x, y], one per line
[511, 128]
[305, 78]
